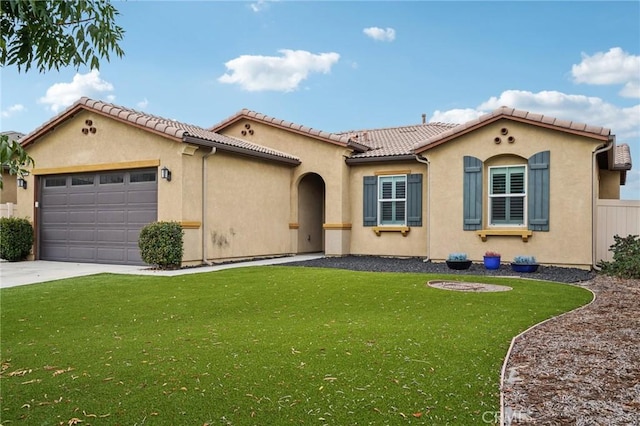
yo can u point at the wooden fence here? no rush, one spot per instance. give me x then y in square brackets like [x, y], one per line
[621, 217]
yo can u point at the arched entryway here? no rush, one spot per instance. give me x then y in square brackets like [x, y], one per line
[311, 195]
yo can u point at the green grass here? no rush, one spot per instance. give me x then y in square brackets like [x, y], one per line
[263, 346]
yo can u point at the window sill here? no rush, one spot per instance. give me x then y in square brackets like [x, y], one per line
[403, 229]
[523, 233]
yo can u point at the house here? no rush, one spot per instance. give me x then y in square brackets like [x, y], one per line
[254, 186]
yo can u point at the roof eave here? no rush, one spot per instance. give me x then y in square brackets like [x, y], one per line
[241, 151]
[75, 109]
[381, 159]
[51, 125]
[438, 140]
[273, 122]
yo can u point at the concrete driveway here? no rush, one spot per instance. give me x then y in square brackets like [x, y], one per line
[21, 273]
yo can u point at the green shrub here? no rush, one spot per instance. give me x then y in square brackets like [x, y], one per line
[626, 257]
[16, 238]
[161, 244]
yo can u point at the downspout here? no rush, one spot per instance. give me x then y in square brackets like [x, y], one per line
[594, 206]
[204, 206]
[424, 160]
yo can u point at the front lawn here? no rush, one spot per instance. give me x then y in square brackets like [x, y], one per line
[262, 346]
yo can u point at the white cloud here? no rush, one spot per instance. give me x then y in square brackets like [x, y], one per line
[61, 95]
[13, 109]
[259, 6]
[279, 73]
[380, 34]
[631, 90]
[613, 67]
[458, 116]
[143, 103]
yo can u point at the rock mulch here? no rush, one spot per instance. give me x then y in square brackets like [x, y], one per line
[582, 368]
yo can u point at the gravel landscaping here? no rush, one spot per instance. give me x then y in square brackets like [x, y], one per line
[387, 264]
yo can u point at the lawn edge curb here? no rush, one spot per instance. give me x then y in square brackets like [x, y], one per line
[513, 341]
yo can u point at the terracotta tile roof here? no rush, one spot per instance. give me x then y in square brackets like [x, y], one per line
[517, 115]
[169, 128]
[283, 124]
[394, 141]
[622, 159]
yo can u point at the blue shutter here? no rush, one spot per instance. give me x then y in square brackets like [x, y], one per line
[414, 200]
[472, 195]
[370, 201]
[538, 191]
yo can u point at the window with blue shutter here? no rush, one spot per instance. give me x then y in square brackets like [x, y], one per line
[392, 200]
[472, 194]
[538, 206]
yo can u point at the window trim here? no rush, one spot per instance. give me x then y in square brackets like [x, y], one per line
[524, 196]
[393, 178]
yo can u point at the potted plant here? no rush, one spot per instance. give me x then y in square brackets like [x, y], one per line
[524, 264]
[458, 261]
[492, 260]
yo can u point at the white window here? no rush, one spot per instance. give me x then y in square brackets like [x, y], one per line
[507, 195]
[392, 200]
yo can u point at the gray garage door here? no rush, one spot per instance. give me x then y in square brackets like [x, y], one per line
[96, 217]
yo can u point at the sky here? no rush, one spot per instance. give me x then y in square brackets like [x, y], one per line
[339, 66]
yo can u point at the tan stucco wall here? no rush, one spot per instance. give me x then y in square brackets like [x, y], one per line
[609, 185]
[364, 240]
[8, 193]
[317, 156]
[248, 207]
[569, 240]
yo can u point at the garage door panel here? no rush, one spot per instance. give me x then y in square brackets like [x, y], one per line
[110, 198]
[82, 199]
[112, 235]
[140, 216]
[54, 200]
[81, 235]
[99, 218]
[142, 196]
[54, 217]
[54, 252]
[82, 217]
[133, 255]
[111, 255]
[111, 216]
[82, 254]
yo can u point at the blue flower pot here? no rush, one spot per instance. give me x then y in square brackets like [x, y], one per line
[520, 267]
[492, 262]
